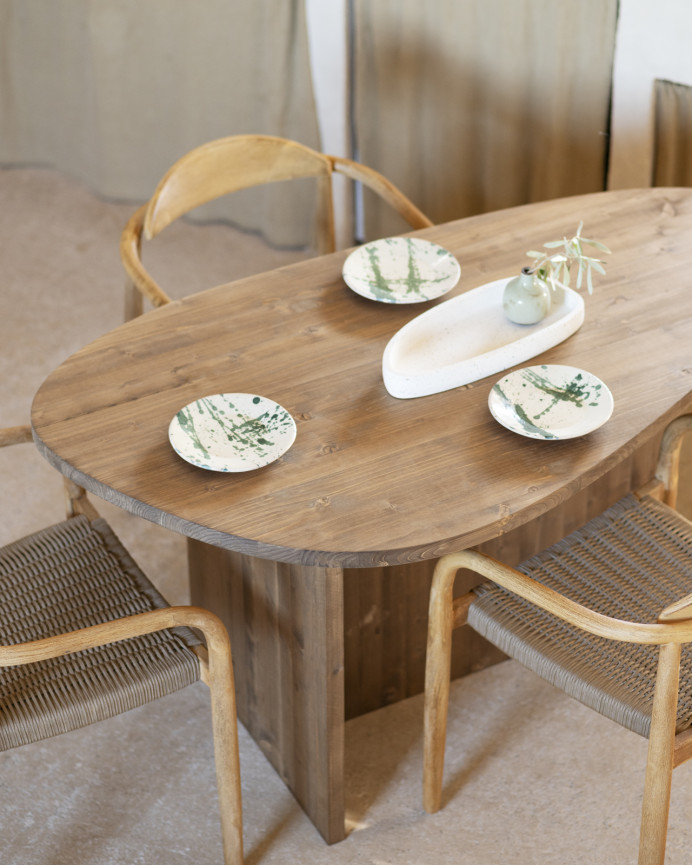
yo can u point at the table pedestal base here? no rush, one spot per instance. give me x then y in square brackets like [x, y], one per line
[313, 646]
[286, 628]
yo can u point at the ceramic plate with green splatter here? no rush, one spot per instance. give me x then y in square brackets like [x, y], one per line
[401, 270]
[551, 402]
[232, 432]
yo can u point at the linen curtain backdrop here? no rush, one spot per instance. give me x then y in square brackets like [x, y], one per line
[475, 105]
[467, 105]
[112, 92]
[672, 134]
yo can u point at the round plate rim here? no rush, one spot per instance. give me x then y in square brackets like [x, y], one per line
[219, 468]
[394, 301]
[610, 403]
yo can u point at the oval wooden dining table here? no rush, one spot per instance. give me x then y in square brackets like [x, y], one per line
[319, 563]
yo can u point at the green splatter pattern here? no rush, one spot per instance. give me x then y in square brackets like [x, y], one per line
[223, 432]
[401, 270]
[530, 410]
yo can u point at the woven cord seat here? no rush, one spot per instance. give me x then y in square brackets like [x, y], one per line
[72, 575]
[604, 614]
[84, 636]
[630, 562]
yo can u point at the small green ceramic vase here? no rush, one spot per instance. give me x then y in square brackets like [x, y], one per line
[526, 298]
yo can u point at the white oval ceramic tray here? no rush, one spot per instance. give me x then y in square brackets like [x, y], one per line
[468, 338]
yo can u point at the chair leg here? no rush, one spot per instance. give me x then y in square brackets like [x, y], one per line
[225, 731]
[659, 766]
[437, 675]
[668, 466]
[133, 301]
[76, 501]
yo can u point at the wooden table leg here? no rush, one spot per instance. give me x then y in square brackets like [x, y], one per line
[286, 628]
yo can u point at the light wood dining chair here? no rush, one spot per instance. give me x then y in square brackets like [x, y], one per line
[85, 636]
[605, 614]
[227, 165]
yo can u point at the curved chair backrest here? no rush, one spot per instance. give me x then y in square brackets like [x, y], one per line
[227, 165]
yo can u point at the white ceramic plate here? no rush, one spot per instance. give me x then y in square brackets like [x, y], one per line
[550, 402]
[232, 432]
[401, 270]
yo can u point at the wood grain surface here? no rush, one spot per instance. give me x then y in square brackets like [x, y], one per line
[372, 480]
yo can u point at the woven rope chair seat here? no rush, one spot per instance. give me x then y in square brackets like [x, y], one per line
[70, 576]
[630, 562]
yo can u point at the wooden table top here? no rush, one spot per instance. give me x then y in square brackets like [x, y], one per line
[370, 479]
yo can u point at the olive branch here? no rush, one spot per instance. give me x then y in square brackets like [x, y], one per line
[556, 269]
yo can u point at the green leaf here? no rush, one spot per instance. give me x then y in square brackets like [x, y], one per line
[564, 274]
[600, 246]
[556, 268]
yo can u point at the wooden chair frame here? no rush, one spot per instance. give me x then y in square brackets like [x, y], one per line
[226, 165]
[216, 668]
[673, 628]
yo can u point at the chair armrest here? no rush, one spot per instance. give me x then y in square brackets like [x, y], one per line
[130, 255]
[209, 624]
[383, 187]
[558, 605]
[15, 435]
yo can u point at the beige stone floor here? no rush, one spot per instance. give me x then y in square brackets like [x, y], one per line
[532, 776]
